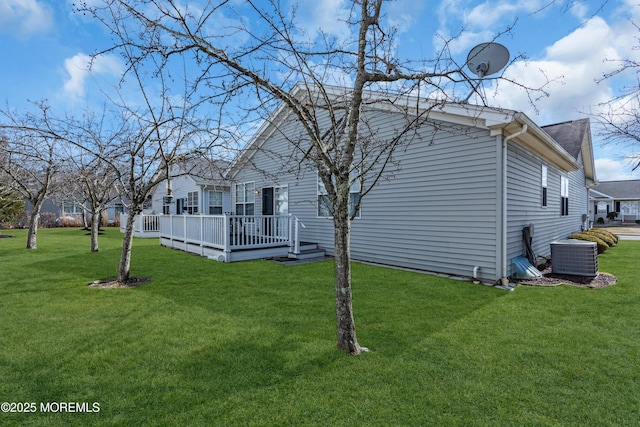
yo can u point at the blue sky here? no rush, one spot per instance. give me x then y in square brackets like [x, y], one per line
[45, 47]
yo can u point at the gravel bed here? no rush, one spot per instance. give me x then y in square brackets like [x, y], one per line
[602, 280]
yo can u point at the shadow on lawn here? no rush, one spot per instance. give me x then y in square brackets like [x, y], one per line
[94, 266]
[243, 364]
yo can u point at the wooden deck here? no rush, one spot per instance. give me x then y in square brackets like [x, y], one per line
[226, 238]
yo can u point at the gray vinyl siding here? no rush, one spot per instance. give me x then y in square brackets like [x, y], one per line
[440, 210]
[524, 203]
[437, 213]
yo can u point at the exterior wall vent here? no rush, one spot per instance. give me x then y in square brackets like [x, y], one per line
[574, 257]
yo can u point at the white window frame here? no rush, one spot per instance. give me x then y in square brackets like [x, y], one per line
[543, 183]
[72, 207]
[191, 203]
[324, 204]
[245, 195]
[564, 195]
[214, 202]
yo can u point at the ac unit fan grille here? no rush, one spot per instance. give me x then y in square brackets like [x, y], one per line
[574, 257]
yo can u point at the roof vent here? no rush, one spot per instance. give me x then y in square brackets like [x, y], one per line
[574, 257]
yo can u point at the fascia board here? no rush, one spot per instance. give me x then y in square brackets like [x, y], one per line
[538, 142]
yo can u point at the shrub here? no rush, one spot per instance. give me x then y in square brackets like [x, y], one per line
[70, 221]
[609, 238]
[602, 246]
[600, 220]
[47, 220]
[606, 232]
[612, 215]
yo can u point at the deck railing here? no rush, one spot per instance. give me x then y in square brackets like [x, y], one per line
[229, 232]
[225, 233]
[145, 225]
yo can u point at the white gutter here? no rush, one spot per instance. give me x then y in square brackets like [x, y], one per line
[502, 227]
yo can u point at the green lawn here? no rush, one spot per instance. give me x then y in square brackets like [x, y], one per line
[253, 343]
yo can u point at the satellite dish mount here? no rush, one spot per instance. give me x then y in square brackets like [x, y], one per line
[484, 60]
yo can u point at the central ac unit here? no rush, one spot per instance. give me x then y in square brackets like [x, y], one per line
[574, 257]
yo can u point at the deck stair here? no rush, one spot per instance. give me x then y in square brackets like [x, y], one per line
[308, 251]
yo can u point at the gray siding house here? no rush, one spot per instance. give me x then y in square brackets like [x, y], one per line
[465, 186]
[616, 196]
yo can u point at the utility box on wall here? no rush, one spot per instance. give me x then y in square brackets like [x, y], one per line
[574, 257]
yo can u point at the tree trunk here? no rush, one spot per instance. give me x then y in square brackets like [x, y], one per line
[33, 231]
[33, 225]
[125, 255]
[95, 228]
[347, 339]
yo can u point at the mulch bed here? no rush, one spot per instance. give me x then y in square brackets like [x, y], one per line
[112, 283]
[602, 280]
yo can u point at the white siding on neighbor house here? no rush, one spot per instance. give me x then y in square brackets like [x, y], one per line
[524, 203]
[437, 213]
[181, 186]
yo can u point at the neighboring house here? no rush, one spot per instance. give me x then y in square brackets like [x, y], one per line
[616, 196]
[197, 187]
[467, 185]
[71, 213]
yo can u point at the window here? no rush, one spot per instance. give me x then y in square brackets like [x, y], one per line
[245, 198]
[325, 210]
[544, 185]
[602, 207]
[70, 207]
[191, 203]
[118, 208]
[564, 196]
[215, 202]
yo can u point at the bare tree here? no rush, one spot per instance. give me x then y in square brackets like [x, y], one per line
[31, 160]
[262, 67]
[94, 180]
[619, 117]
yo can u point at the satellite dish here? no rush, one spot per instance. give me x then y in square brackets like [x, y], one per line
[486, 59]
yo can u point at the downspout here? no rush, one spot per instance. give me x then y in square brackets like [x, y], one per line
[502, 232]
[475, 274]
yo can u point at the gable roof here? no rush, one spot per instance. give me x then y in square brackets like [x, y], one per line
[509, 123]
[203, 171]
[620, 190]
[575, 137]
[569, 134]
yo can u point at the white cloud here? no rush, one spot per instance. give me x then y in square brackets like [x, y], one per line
[568, 73]
[25, 17]
[479, 24]
[330, 16]
[404, 14]
[608, 169]
[79, 68]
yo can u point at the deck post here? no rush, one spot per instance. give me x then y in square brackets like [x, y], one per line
[184, 228]
[201, 235]
[296, 243]
[171, 229]
[225, 237]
